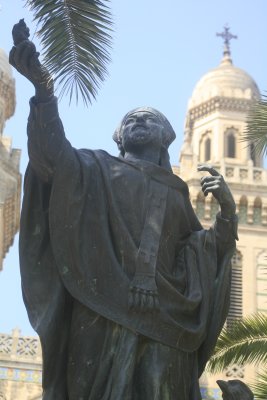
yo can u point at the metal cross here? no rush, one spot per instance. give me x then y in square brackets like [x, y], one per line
[227, 36]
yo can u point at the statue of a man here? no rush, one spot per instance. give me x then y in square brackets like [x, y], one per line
[126, 290]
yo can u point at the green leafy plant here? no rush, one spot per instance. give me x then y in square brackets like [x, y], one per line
[75, 35]
[256, 131]
[244, 342]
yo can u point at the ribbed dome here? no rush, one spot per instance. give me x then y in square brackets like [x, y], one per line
[5, 67]
[225, 81]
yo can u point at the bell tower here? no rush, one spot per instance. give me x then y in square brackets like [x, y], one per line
[214, 125]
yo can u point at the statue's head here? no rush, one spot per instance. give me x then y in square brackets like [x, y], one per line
[144, 126]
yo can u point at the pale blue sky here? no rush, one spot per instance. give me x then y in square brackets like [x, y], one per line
[160, 50]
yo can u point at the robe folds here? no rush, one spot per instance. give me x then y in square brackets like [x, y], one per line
[82, 219]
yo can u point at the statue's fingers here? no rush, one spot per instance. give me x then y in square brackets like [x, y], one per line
[24, 51]
[207, 184]
[17, 57]
[209, 179]
[211, 189]
[209, 169]
[27, 55]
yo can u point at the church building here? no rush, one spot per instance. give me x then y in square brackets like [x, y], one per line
[214, 125]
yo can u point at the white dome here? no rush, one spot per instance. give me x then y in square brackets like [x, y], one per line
[224, 81]
[5, 67]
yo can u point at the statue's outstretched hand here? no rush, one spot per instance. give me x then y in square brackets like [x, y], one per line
[216, 185]
[24, 57]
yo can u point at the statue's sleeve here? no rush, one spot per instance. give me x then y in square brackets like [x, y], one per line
[226, 234]
[46, 138]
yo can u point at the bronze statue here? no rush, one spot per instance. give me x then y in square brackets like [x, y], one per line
[234, 389]
[126, 290]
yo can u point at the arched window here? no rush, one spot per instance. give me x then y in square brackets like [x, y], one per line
[207, 149]
[236, 296]
[262, 282]
[257, 211]
[230, 143]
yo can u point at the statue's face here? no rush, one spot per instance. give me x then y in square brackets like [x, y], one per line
[142, 128]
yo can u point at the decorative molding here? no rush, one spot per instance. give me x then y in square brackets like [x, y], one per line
[235, 371]
[215, 104]
[21, 375]
[20, 348]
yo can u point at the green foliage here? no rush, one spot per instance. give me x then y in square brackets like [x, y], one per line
[76, 38]
[256, 131]
[244, 342]
[260, 387]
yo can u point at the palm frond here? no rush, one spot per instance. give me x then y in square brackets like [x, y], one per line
[256, 131]
[260, 386]
[75, 35]
[244, 342]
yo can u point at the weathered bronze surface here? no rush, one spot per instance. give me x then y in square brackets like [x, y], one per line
[234, 389]
[126, 290]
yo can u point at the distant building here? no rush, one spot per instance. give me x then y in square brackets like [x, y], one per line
[10, 178]
[215, 122]
[20, 367]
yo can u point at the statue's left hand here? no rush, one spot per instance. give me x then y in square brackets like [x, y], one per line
[216, 185]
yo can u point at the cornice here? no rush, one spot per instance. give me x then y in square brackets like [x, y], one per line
[216, 104]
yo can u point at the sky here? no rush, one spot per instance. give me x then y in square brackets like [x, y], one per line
[160, 50]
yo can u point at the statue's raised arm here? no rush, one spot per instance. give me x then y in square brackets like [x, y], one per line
[25, 58]
[46, 137]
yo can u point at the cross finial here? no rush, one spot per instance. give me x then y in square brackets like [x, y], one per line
[227, 36]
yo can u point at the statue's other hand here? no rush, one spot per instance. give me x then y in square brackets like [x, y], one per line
[216, 185]
[24, 57]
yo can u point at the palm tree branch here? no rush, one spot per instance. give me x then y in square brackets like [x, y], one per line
[75, 35]
[245, 342]
[256, 130]
[260, 386]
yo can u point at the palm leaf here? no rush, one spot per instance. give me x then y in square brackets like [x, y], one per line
[75, 35]
[256, 131]
[244, 342]
[260, 387]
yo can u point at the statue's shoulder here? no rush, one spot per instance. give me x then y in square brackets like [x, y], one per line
[94, 155]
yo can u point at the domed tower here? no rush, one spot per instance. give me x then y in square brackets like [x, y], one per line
[214, 125]
[10, 178]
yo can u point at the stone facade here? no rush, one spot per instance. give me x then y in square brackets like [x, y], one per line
[20, 367]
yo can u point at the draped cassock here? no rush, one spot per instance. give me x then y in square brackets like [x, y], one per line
[84, 214]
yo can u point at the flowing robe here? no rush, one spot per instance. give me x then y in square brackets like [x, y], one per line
[82, 220]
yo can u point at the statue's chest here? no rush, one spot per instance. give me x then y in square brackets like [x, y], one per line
[136, 193]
